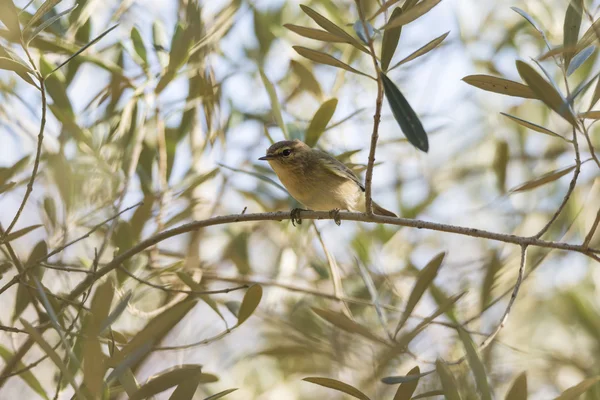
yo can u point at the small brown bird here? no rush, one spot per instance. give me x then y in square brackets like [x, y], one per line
[318, 180]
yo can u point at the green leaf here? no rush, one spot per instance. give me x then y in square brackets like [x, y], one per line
[500, 85]
[307, 79]
[138, 45]
[167, 379]
[529, 19]
[405, 116]
[412, 13]
[249, 303]
[476, 365]
[423, 50]
[359, 29]
[159, 40]
[275, 103]
[448, 382]
[574, 392]
[406, 389]
[389, 43]
[545, 92]
[40, 12]
[542, 180]
[10, 17]
[326, 59]
[500, 164]
[333, 28]
[319, 122]
[220, 394]
[339, 386]
[345, 323]
[17, 234]
[315, 34]
[21, 69]
[580, 58]
[26, 375]
[393, 380]
[571, 28]
[424, 279]
[30, 35]
[532, 126]
[589, 115]
[431, 393]
[518, 390]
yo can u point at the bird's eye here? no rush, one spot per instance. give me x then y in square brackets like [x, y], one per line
[286, 152]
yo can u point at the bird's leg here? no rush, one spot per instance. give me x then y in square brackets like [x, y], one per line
[295, 215]
[335, 214]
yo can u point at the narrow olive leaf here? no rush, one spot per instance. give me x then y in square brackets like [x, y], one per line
[40, 12]
[447, 380]
[30, 35]
[319, 122]
[580, 58]
[345, 323]
[542, 180]
[326, 59]
[10, 17]
[315, 34]
[17, 234]
[339, 386]
[431, 393]
[359, 29]
[116, 313]
[581, 88]
[529, 19]
[590, 36]
[589, 115]
[423, 50]
[389, 43]
[412, 13]
[26, 375]
[84, 48]
[518, 390]
[424, 279]
[138, 45]
[532, 126]
[405, 116]
[372, 289]
[53, 355]
[545, 92]
[185, 390]
[275, 104]
[574, 392]
[394, 380]
[571, 28]
[476, 365]
[333, 28]
[249, 303]
[406, 389]
[11, 65]
[500, 85]
[220, 394]
[167, 379]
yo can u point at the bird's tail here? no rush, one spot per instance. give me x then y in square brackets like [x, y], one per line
[377, 209]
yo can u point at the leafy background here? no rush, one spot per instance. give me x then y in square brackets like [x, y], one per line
[174, 106]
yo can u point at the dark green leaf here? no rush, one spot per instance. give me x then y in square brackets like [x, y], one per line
[138, 45]
[339, 386]
[391, 36]
[406, 389]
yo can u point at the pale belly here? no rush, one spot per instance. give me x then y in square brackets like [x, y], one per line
[344, 196]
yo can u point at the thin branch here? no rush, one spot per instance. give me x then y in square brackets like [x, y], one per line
[513, 297]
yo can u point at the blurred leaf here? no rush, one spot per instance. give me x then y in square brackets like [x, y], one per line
[574, 392]
[40, 12]
[116, 313]
[17, 234]
[500, 164]
[542, 180]
[532, 126]
[24, 292]
[405, 116]
[447, 379]
[26, 375]
[315, 34]
[249, 303]
[343, 322]
[57, 89]
[406, 389]
[339, 386]
[393, 380]
[431, 393]
[545, 91]
[307, 79]
[159, 40]
[331, 27]
[589, 115]
[319, 122]
[21, 69]
[500, 85]
[275, 103]
[423, 50]
[389, 43]
[9, 15]
[580, 58]
[424, 279]
[326, 59]
[476, 365]
[29, 35]
[138, 45]
[518, 390]
[571, 28]
[167, 379]
[359, 29]
[491, 270]
[220, 394]
[412, 13]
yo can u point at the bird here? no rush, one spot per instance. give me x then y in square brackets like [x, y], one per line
[318, 180]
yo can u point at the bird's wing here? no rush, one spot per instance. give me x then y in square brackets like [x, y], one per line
[340, 169]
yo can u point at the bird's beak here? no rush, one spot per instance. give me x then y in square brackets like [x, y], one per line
[267, 157]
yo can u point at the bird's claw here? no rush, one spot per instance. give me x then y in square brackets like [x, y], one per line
[335, 214]
[295, 216]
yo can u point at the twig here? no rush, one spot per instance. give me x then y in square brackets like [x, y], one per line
[590, 234]
[513, 297]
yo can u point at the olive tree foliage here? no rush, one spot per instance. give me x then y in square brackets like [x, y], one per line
[144, 250]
